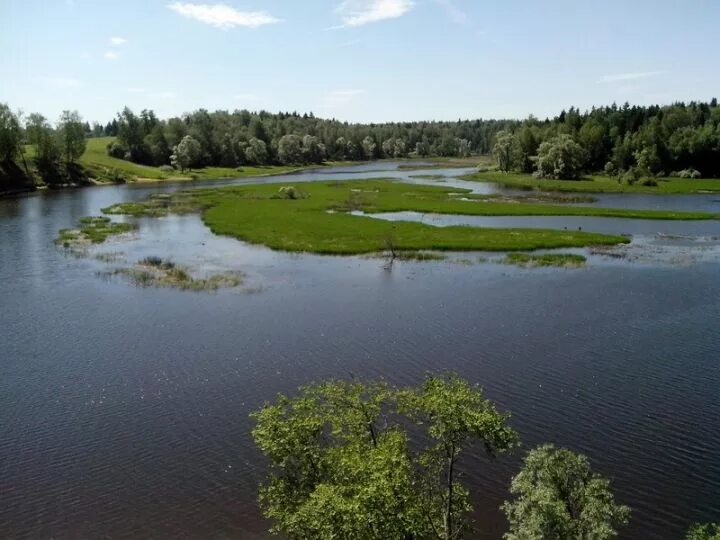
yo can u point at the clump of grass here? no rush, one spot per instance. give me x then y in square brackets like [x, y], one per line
[156, 272]
[558, 260]
[419, 256]
[158, 205]
[92, 230]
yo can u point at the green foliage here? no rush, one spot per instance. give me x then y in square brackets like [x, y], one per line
[186, 154]
[342, 466]
[10, 134]
[560, 158]
[71, 135]
[706, 531]
[502, 150]
[556, 495]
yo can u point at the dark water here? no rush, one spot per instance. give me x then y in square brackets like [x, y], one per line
[123, 411]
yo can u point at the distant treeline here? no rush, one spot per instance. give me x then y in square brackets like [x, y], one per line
[679, 138]
[655, 140]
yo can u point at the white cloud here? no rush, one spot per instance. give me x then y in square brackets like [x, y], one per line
[629, 76]
[361, 12]
[453, 13]
[111, 55]
[117, 41]
[222, 16]
[338, 98]
[61, 83]
[136, 90]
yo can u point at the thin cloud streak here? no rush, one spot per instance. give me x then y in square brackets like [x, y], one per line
[118, 41]
[355, 13]
[629, 76]
[338, 98]
[222, 16]
[453, 13]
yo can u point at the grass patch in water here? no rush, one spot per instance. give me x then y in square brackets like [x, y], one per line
[156, 272]
[557, 260]
[92, 230]
[256, 214]
[596, 184]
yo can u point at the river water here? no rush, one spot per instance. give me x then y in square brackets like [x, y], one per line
[124, 411]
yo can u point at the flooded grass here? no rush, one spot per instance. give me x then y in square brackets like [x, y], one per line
[320, 222]
[91, 230]
[156, 272]
[556, 260]
[597, 184]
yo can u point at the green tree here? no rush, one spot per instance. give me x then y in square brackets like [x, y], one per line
[71, 135]
[342, 464]
[369, 146]
[256, 153]
[455, 415]
[10, 134]
[561, 158]
[186, 154]
[44, 141]
[707, 531]
[290, 149]
[502, 150]
[558, 496]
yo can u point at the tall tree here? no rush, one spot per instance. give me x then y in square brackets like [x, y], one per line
[71, 134]
[558, 496]
[343, 466]
[186, 154]
[10, 134]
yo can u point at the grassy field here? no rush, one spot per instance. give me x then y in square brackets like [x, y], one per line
[316, 220]
[597, 184]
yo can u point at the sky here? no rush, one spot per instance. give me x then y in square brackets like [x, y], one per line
[356, 60]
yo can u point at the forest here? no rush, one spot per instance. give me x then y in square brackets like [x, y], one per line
[682, 139]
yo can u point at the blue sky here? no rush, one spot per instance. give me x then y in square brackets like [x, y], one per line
[356, 60]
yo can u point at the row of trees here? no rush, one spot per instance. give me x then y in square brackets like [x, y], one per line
[55, 149]
[373, 461]
[634, 141]
[244, 138]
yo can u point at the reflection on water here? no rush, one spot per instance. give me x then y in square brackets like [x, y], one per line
[123, 411]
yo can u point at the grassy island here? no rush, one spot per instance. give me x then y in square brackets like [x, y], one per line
[317, 218]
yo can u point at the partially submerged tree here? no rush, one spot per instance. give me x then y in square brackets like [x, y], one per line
[342, 465]
[558, 496]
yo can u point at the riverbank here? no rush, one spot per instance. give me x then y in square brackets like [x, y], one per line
[597, 184]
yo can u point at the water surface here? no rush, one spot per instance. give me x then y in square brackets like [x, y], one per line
[123, 411]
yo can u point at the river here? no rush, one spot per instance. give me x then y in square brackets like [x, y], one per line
[124, 411]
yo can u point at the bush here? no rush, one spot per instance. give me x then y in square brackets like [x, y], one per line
[651, 182]
[610, 169]
[116, 150]
[631, 176]
[560, 158]
[689, 173]
[290, 192]
[167, 168]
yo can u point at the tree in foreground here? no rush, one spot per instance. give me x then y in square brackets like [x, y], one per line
[343, 466]
[558, 496]
[707, 531]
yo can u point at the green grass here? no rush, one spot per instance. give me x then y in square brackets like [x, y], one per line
[256, 215]
[558, 260]
[104, 168]
[156, 272]
[92, 230]
[596, 184]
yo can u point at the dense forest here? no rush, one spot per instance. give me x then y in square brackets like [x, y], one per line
[629, 141]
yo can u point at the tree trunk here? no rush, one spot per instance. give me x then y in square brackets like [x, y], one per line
[448, 502]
